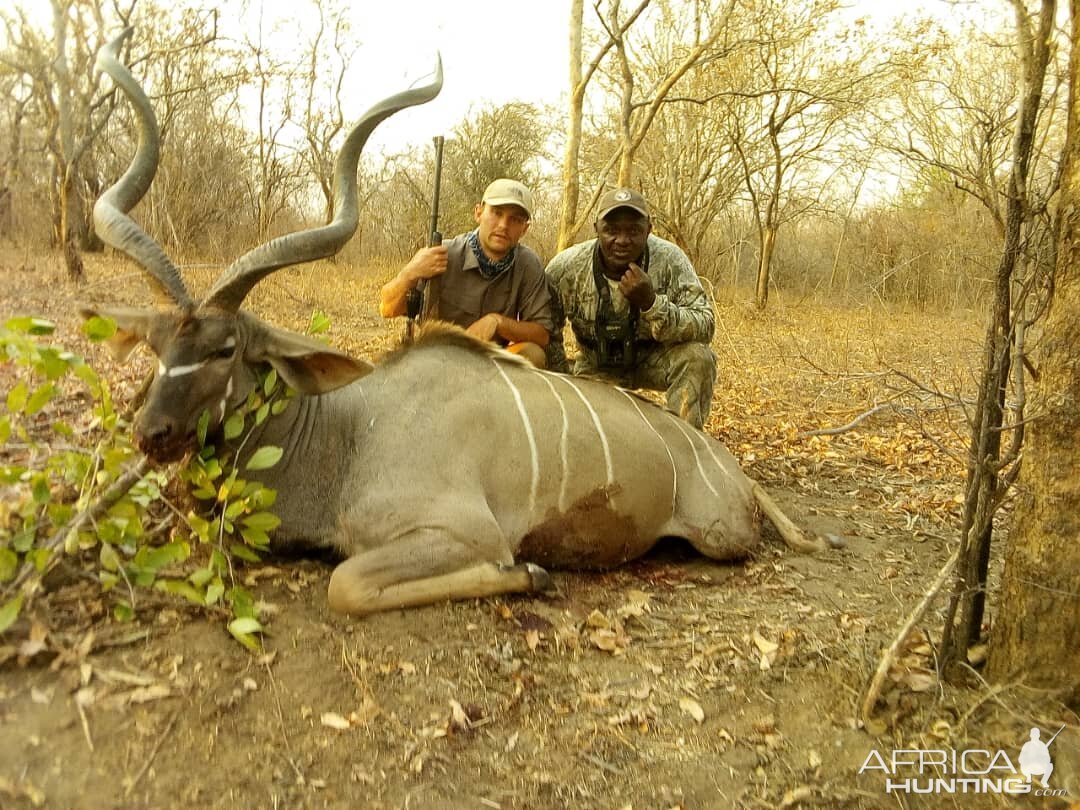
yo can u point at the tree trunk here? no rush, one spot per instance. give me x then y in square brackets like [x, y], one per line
[580, 75]
[768, 242]
[69, 230]
[1037, 633]
[570, 172]
[985, 486]
[89, 190]
[771, 219]
[7, 214]
[9, 172]
[66, 172]
[624, 176]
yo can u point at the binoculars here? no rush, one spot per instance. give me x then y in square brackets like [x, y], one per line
[615, 345]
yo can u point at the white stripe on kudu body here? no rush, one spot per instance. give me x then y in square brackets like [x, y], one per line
[721, 467]
[534, 484]
[225, 399]
[564, 441]
[697, 456]
[599, 429]
[674, 471]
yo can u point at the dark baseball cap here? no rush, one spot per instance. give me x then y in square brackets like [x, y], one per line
[621, 198]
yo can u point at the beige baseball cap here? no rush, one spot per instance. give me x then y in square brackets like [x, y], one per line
[621, 198]
[509, 192]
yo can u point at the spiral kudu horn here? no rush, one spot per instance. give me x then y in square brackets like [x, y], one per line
[111, 221]
[317, 243]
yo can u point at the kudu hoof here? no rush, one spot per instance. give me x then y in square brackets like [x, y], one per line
[540, 579]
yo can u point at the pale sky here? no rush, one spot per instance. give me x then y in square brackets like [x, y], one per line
[493, 51]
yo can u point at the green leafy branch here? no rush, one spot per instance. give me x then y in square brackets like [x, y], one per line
[235, 520]
[104, 496]
[53, 479]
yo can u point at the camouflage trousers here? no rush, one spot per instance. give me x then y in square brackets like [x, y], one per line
[686, 372]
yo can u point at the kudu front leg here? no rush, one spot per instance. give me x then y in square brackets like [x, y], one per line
[424, 568]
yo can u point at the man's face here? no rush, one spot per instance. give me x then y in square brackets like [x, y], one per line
[501, 228]
[622, 235]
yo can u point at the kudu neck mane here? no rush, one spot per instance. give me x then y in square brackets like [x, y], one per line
[436, 334]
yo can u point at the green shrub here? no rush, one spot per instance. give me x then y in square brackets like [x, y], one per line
[55, 475]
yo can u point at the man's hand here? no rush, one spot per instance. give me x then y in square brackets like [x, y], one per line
[427, 263]
[636, 285]
[486, 328]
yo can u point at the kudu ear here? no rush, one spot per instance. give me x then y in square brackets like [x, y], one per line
[133, 325]
[306, 364]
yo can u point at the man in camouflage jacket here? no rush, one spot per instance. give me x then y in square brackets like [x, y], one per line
[637, 309]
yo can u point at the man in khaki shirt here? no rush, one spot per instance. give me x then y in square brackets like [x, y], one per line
[484, 280]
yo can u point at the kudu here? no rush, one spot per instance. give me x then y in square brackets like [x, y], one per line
[516, 468]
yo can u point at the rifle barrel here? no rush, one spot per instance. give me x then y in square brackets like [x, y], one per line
[414, 298]
[434, 229]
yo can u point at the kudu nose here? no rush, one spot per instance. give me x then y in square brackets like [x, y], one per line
[155, 439]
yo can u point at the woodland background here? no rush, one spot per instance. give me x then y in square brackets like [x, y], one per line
[788, 145]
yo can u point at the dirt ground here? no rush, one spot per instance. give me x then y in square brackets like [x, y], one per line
[672, 682]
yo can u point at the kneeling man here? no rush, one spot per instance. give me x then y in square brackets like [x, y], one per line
[637, 309]
[484, 281]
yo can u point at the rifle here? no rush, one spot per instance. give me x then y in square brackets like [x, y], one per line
[414, 299]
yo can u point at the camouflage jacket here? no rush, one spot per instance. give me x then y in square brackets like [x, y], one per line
[681, 313]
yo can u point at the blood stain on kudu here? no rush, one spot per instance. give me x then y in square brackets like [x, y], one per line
[568, 539]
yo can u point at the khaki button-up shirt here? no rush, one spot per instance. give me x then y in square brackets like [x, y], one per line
[462, 295]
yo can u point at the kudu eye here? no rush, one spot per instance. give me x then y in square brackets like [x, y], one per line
[225, 353]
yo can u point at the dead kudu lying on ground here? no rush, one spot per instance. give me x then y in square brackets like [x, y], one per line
[518, 468]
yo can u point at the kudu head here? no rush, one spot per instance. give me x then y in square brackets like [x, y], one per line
[208, 351]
